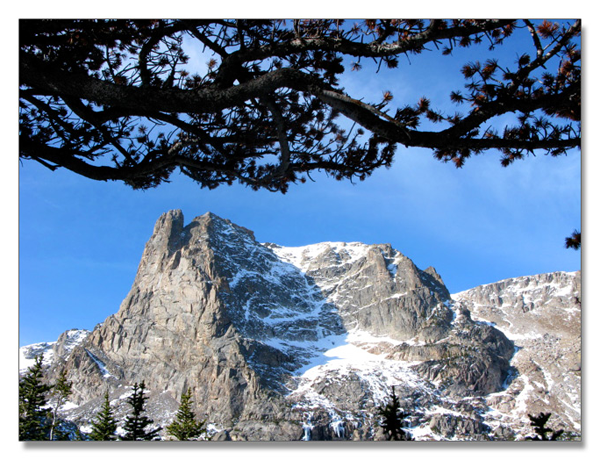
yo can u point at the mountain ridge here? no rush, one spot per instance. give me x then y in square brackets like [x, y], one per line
[296, 343]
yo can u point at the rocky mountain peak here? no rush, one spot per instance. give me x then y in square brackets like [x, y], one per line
[295, 342]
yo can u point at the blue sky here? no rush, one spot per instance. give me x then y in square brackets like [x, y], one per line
[80, 241]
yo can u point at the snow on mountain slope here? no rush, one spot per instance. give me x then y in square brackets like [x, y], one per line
[28, 354]
[63, 347]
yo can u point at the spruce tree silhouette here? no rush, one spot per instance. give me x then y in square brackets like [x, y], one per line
[393, 419]
[104, 426]
[136, 423]
[34, 413]
[539, 425]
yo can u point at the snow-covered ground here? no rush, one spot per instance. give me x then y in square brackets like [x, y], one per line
[346, 354]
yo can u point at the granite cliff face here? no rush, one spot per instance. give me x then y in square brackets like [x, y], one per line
[284, 343]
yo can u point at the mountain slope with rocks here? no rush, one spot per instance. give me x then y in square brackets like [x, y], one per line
[280, 343]
[542, 316]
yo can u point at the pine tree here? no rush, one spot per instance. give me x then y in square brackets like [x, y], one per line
[104, 426]
[136, 423]
[539, 426]
[393, 419]
[61, 390]
[185, 426]
[33, 413]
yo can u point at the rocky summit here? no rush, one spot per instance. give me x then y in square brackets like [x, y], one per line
[287, 344]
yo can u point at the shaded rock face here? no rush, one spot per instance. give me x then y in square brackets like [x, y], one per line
[282, 343]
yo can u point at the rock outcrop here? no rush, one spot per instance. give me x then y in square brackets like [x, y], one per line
[284, 343]
[542, 316]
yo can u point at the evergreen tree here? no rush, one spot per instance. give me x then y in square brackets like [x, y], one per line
[33, 413]
[185, 426]
[136, 423]
[104, 426]
[61, 390]
[539, 426]
[393, 419]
